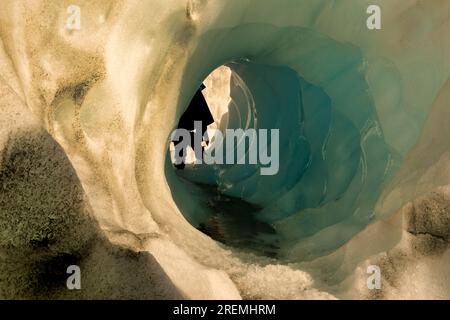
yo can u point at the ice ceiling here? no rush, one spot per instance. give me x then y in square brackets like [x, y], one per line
[363, 133]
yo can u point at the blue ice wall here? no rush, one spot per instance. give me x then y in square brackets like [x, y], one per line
[339, 149]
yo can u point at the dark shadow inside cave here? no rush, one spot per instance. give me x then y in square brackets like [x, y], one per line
[233, 222]
[227, 219]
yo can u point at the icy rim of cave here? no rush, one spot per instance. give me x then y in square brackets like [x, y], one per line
[105, 89]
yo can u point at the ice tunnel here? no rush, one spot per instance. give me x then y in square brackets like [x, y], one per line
[362, 175]
[335, 155]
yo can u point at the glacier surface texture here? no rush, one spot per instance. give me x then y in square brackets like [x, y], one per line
[364, 171]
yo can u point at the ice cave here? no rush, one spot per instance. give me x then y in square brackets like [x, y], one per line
[86, 173]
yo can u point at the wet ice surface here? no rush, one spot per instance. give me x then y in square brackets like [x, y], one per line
[234, 223]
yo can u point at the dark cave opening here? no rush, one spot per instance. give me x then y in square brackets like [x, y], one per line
[230, 220]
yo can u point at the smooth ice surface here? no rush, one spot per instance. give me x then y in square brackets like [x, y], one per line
[350, 105]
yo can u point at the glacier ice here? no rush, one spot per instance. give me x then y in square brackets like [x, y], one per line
[362, 118]
[339, 105]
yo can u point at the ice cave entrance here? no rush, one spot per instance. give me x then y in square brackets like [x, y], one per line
[228, 219]
[334, 161]
[216, 92]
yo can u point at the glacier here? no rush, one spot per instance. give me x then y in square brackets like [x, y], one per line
[364, 155]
